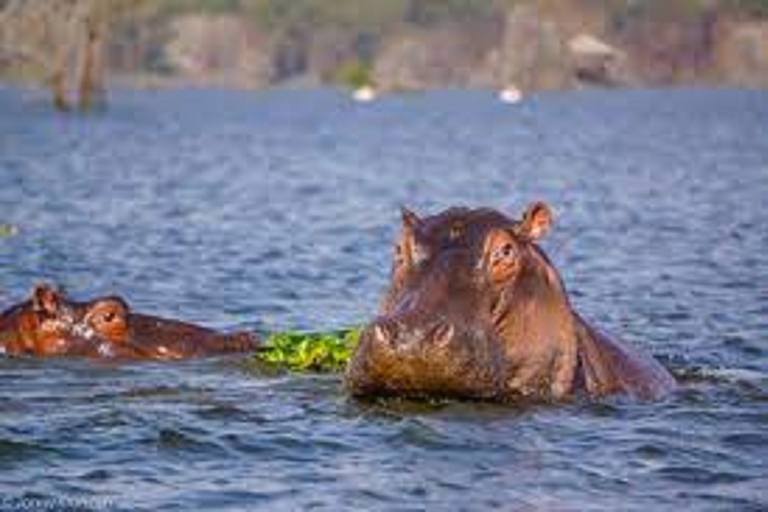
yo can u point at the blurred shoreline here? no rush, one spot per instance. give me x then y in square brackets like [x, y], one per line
[401, 45]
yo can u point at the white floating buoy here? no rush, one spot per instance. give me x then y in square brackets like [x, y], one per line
[511, 94]
[365, 93]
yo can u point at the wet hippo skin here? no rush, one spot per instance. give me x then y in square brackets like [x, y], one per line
[476, 310]
[40, 326]
[49, 324]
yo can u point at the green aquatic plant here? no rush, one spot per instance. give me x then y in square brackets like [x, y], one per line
[354, 74]
[309, 352]
[7, 230]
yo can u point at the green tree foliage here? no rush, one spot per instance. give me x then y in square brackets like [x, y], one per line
[752, 7]
[351, 14]
[354, 74]
[360, 15]
[669, 10]
[433, 12]
[170, 7]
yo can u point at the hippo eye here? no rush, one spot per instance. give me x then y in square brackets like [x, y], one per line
[108, 317]
[504, 252]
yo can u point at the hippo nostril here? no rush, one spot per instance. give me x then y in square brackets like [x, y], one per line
[443, 334]
[384, 333]
[379, 334]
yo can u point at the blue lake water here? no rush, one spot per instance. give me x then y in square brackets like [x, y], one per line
[277, 210]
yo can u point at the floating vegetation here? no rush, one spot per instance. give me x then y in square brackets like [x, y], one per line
[324, 352]
[7, 230]
[354, 74]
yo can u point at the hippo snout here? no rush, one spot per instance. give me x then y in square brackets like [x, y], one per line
[436, 358]
[395, 335]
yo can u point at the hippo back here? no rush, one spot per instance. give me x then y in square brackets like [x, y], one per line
[606, 367]
[162, 338]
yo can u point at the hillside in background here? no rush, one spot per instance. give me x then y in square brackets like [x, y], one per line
[393, 44]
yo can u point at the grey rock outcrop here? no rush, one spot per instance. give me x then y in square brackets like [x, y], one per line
[441, 57]
[595, 62]
[224, 51]
[533, 54]
[741, 53]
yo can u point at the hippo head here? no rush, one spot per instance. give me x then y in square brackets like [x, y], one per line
[116, 331]
[51, 324]
[105, 322]
[110, 327]
[45, 325]
[459, 286]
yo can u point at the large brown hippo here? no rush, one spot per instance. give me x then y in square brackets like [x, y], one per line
[476, 310]
[49, 324]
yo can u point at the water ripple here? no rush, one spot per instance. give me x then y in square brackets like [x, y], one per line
[278, 210]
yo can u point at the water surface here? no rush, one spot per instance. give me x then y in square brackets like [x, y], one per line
[277, 210]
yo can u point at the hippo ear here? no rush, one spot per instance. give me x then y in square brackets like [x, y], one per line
[410, 220]
[537, 220]
[46, 299]
[407, 251]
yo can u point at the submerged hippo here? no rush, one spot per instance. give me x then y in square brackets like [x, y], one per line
[50, 324]
[41, 325]
[476, 310]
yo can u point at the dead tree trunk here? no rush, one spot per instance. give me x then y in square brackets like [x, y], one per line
[86, 85]
[62, 42]
[91, 74]
[58, 30]
[59, 83]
